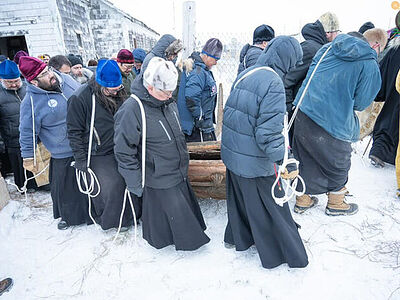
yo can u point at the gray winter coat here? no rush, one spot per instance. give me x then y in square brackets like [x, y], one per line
[158, 50]
[167, 159]
[252, 137]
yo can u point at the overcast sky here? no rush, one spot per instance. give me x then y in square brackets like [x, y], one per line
[285, 16]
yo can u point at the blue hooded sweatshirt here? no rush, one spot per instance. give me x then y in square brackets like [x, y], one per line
[346, 80]
[50, 112]
[252, 137]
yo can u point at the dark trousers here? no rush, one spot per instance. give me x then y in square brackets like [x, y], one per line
[16, 162]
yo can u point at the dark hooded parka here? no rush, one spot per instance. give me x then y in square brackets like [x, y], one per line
[386, 129]
[252, 142]
[315, 37]
[171, 214]
[107, 206]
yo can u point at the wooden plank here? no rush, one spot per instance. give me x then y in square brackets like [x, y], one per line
[220, 112]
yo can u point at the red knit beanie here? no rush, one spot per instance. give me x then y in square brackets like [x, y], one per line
[125, 56]
[31, 67]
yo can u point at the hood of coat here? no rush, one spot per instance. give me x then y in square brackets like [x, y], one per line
[349, 48]
[281, 54]
[139, 90]
[162, 45]
[315, 32]
[243, 52]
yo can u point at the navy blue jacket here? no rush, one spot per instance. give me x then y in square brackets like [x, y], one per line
[252, 137]
[197, 96]
[315, 37]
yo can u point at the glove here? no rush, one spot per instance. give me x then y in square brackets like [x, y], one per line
[198, 123]
[29, 165]
[80, 165]
[291, 171]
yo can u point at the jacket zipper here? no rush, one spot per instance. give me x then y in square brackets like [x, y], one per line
[16, 94]
[97, 136]
[176, 117]
[166, 132]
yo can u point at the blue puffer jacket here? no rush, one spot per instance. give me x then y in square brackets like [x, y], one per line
[197, 96]
[252, 137]
[347, 79]
[50, 111]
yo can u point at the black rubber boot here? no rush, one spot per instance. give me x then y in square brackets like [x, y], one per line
[5, 285]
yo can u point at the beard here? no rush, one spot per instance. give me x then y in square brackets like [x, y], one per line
[53, 85]
[10, 88]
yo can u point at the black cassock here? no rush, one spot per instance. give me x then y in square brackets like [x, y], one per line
[255, 219]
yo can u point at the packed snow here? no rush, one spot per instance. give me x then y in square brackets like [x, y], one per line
[352, 257]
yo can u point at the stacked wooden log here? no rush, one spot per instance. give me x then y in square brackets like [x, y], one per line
[206, 170]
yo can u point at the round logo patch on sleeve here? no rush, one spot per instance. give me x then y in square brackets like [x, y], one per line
[52, 103]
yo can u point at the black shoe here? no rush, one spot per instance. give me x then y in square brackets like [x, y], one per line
[62, 225]
[5, 285]
[376, 161]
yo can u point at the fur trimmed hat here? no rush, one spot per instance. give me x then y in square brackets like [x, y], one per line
[31, 67]
[330, 22]
[263, 33]
[125, 56]
[108, 73]
[174, 48]
[161, 74]
[9, 70]
[213, 48]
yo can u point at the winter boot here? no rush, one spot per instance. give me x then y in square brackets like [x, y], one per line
[304, 202]
[5, 285]
[337, 206]
[62, 225]
[376, 161]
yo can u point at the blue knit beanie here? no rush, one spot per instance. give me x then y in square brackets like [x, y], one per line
[9, 70]
[139, 55]
[108, 73]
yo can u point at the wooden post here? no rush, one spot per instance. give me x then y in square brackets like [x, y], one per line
[220, 111]
[189, 28]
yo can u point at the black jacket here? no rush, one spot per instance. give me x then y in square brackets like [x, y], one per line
[9, 115]
[315, 37]
[167, 159]
[78, 125]
[248, 57]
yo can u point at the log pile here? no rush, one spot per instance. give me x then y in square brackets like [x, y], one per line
[206, 170]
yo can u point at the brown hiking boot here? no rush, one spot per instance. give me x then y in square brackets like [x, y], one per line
[337, 206]
[304, 202]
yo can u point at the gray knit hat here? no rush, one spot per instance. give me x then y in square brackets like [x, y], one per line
[213, 48]
[329, 21]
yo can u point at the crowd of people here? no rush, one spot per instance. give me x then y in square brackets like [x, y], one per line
[123, 123]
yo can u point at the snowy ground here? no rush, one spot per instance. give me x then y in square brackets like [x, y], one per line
[356, 257]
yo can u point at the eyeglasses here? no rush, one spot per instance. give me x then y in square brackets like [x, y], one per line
[127, 66]
[46, 73]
